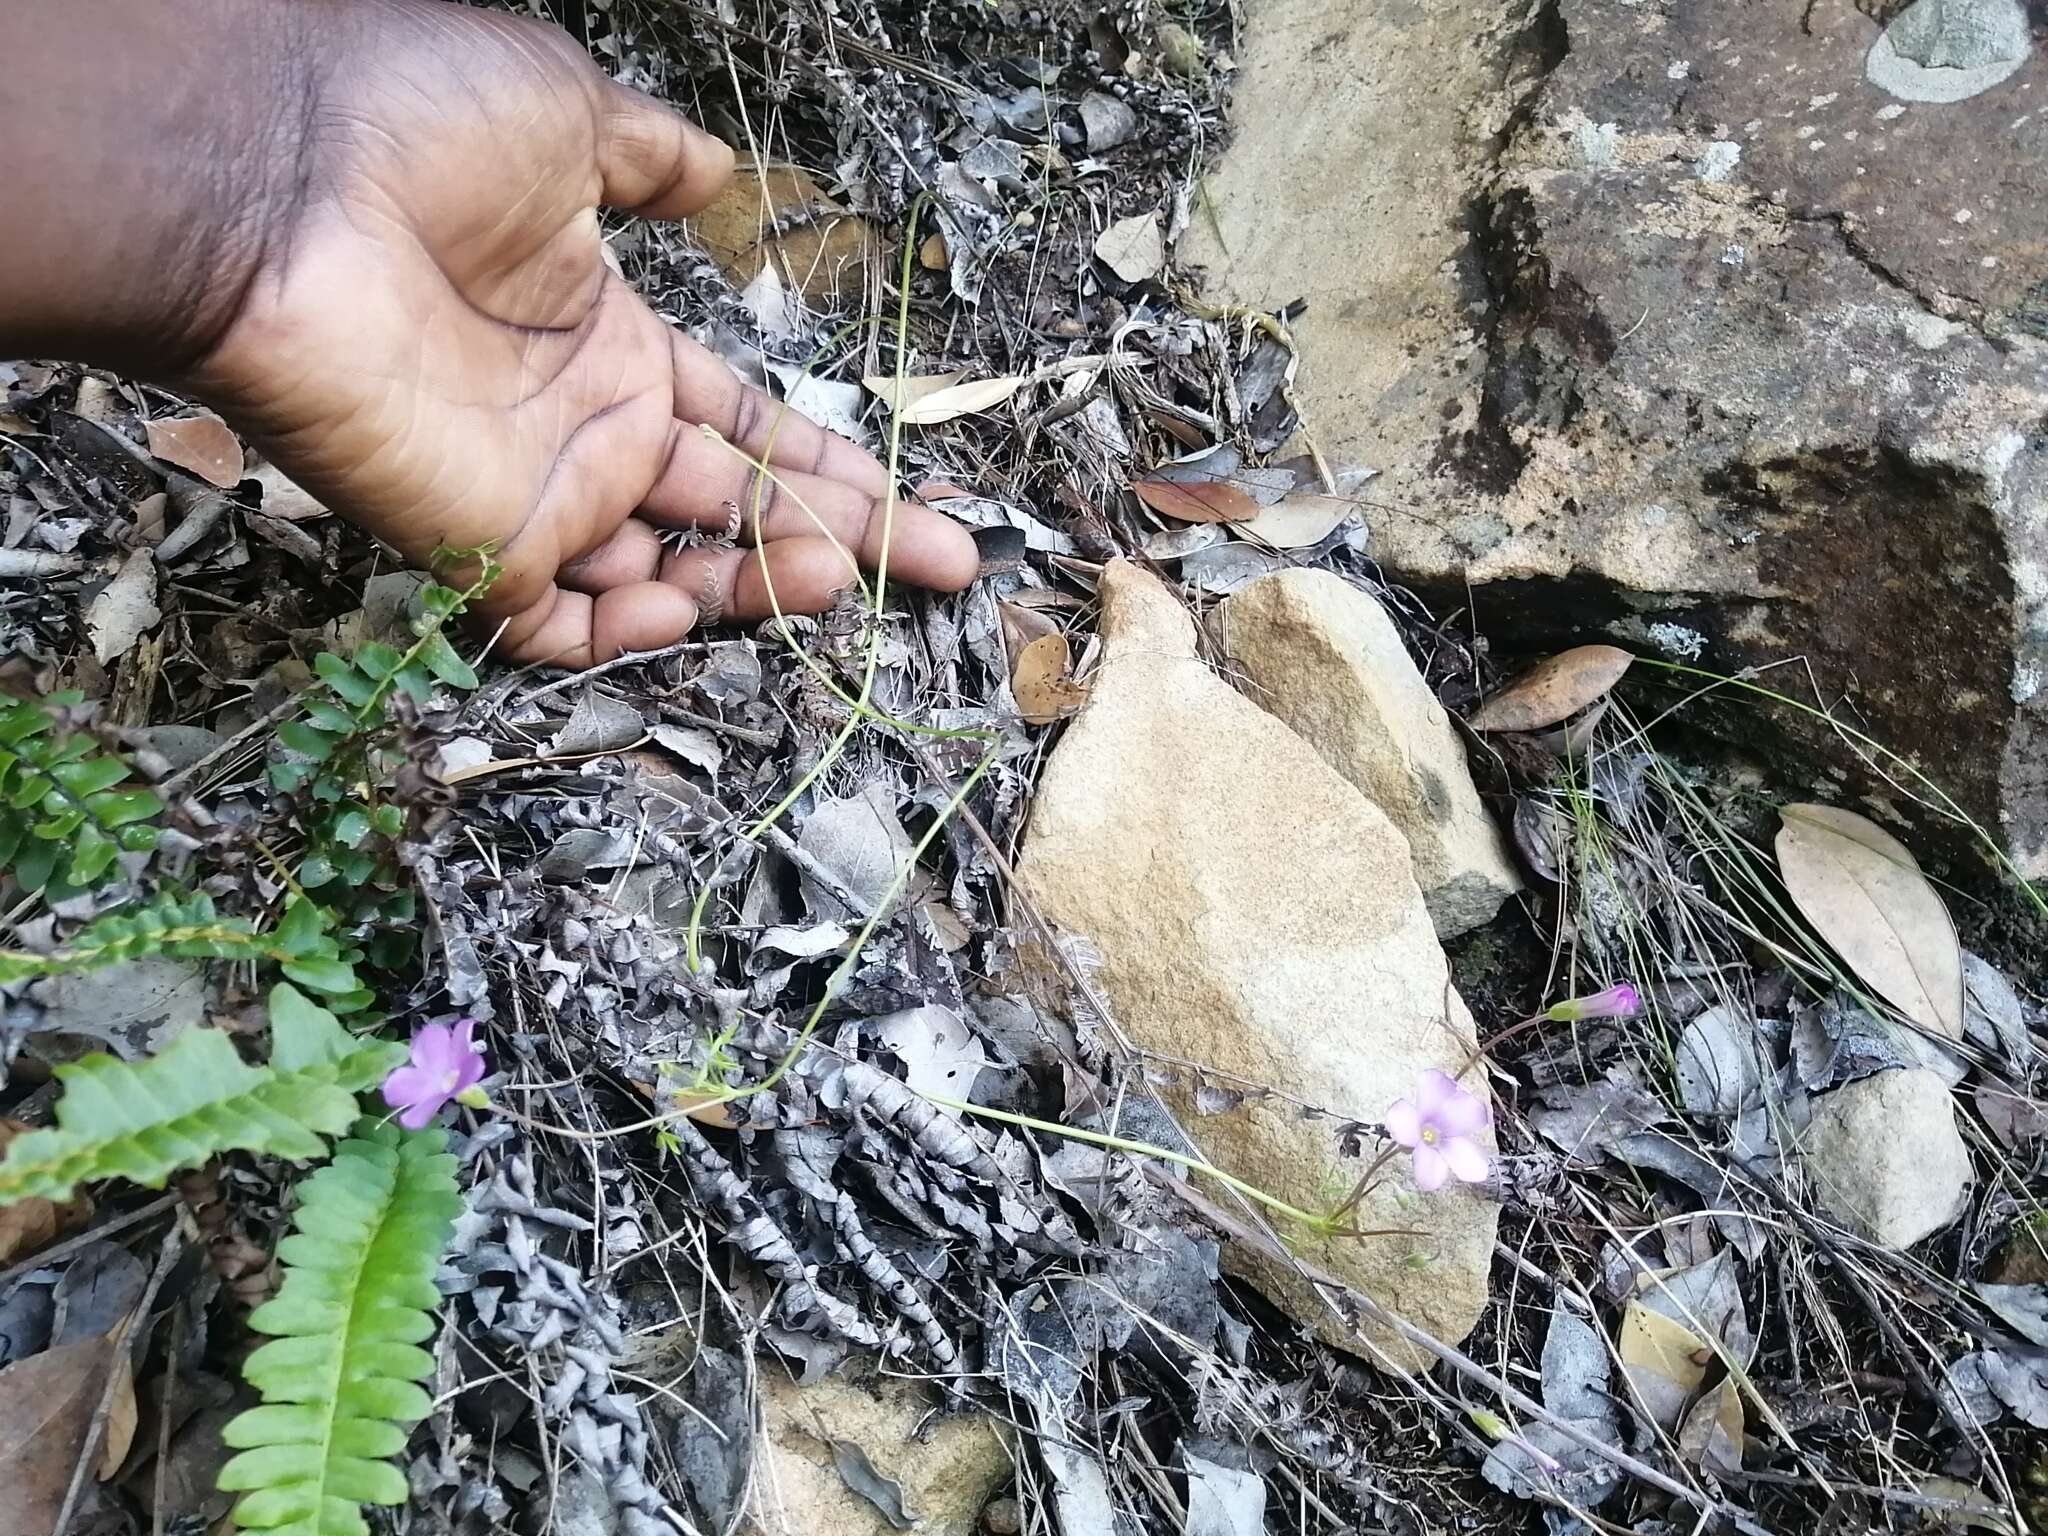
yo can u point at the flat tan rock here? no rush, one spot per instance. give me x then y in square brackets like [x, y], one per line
[946, 1476]
[1256, 913]
[1886, 1158]
[1324, 657]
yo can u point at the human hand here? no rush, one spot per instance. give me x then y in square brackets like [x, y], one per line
[426, 336]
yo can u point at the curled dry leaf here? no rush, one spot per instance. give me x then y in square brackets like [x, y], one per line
[1665, 1363]
[1021, 626]
[125, 609]
[1553, 690]
[200, 444]
[1196, 501]
[1043, 681]
[1864, 894]
[940, 397]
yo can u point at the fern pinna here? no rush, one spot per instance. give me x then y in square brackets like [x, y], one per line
[196, 1099]
[340, 1378]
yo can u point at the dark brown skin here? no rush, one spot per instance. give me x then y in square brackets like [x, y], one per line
[366, 232]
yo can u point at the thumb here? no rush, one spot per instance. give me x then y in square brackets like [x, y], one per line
[655, 161]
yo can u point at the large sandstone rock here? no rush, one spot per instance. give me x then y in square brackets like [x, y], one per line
[946, 1468]
[1256, 913]
[1325, 658]
[1665, 320]
[1885, 1156]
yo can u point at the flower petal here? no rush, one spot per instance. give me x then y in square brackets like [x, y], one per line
[408, 1085]
[1403, 1123]
[433, 1047]
[1462, 1114]
[1468, 1161]
[470, 1073]
[1431, 1091]
[416, 1117]
[1430, 1169]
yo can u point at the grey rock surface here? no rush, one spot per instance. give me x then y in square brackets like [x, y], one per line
[1885, 1156]
[1665, 324]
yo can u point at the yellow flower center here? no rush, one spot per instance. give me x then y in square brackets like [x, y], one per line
[1429, 1134]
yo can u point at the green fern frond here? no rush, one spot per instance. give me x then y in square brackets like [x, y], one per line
[197, 1098]
[340, 1378]
[175, 923]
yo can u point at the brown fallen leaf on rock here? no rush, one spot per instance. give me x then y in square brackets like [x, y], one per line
[1864, 894]
[1553, 690]
[200, 444]
[1043, 681]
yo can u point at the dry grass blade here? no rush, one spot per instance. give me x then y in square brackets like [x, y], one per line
[1553, 690]
[1196, 501]
[1865, 895]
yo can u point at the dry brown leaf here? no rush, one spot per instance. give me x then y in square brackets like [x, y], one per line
[284, 497]
[958, 400]
[121, 1416]
[820, 251]
[28, 1225]
[933, 255]
[1021, 626]
[200, 444]
[1196, 501]
[1864, 894]
[1665, 1362]
[125, 608]
[1711, 1435]
[46, 1409]
[1132, 248]
[885, 388]
[1043, 681]
[1299, 519]
[1553, 690]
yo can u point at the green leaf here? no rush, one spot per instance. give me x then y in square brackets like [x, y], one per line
[184, 1106]
[446, 663]
[322, 975]
[307, 740]
[340, 1377]
[289, 776]
[119, 808]
[316, 870]
[304, 1036]
[91, 776]
[344, 679]
[31, 790]
[92, 855]
[138, 839]
[37, 863]
[376, 659]
[330, 717]
[303, 928]
[388, 819]
[414, 678]
[350, 828]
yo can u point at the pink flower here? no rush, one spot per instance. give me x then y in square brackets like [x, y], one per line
[1438, 1124]
[1620, 1001]
[445, 1063]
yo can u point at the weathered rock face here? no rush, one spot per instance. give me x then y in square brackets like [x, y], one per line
[1886, 1158]
[945, 1476]
[1256, 913]
[1667, 320]
[1324, 657]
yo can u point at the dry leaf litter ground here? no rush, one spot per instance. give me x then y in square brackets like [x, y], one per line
[1717, 1298]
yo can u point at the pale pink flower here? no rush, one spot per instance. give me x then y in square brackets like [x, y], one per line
[1620, 1001]
[1438, 1125]
[446, 1063]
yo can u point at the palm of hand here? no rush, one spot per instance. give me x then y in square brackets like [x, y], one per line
[438, 348]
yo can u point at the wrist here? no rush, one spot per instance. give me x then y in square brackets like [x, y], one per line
[161, 162]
